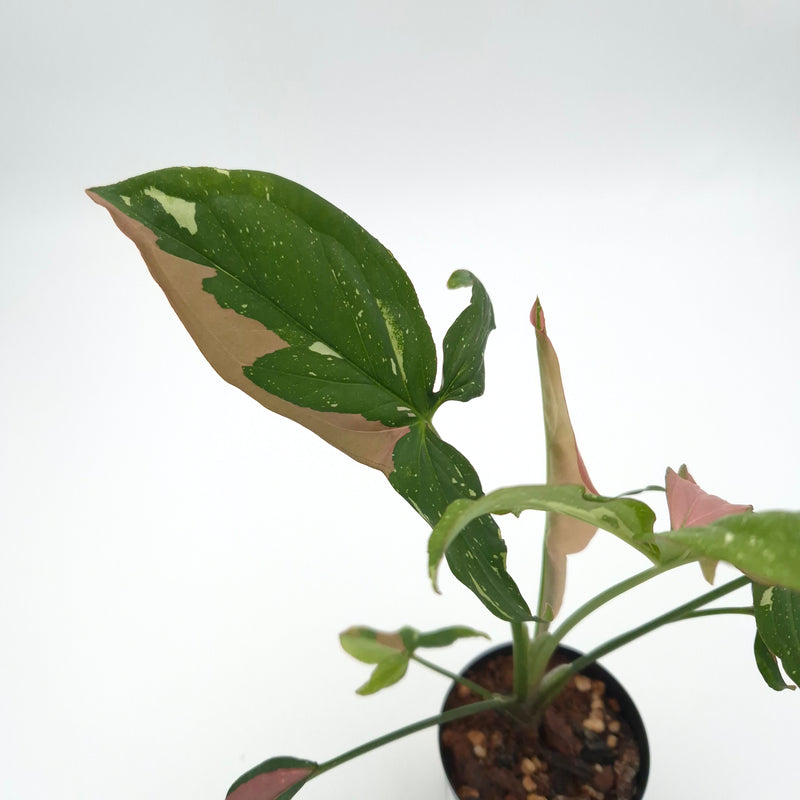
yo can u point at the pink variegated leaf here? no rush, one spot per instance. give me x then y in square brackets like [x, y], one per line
[564, 535]
[275, 779]
[690, 507]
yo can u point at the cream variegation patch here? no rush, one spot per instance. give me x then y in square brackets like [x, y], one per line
[182, 211]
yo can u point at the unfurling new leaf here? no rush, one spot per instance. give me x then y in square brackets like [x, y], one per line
[563, 535]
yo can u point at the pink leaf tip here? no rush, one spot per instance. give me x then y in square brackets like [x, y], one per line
[690, 506]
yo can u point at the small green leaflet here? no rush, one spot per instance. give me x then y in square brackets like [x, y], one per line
[369, 645]
[391, 652]
[778, 621]
[387, 672]
[629, 519]
[277, 778]
[463, 370]
[764, 545]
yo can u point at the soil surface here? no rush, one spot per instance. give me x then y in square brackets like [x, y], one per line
[583, 749]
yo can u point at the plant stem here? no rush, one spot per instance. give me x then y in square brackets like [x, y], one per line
[439, 719]
[711, 612]
[609, 594]
[471, 685]
[671, 616]
[521, 642]
[653, 487]
[542, 625]
[551, 690]
[544, 648]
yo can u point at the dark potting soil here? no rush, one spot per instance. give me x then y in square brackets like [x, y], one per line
[583, 749]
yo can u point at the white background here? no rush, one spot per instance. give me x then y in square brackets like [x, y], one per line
[176, 562]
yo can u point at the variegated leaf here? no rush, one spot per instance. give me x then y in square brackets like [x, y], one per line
[277, 778]
[463, 371]
[288, 298]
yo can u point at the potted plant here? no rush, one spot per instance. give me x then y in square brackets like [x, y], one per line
[293, 302]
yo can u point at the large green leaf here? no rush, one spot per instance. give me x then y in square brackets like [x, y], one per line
[765, 545]
[629, 519]
[431, 474]
[463, 370]
[778, 619]
[277, 778]
[288, 298]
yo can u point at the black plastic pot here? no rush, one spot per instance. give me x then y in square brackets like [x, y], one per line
[595, 671]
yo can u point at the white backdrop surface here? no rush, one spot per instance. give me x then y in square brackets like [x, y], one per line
[176, 562]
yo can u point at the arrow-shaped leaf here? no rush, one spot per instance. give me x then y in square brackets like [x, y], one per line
[288, 298]
[277, 778]
[629, 519]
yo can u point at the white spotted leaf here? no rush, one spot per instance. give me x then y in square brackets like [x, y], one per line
[288, 298]
[463, 370]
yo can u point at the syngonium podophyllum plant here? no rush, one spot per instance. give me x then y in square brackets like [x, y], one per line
[293, 302]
